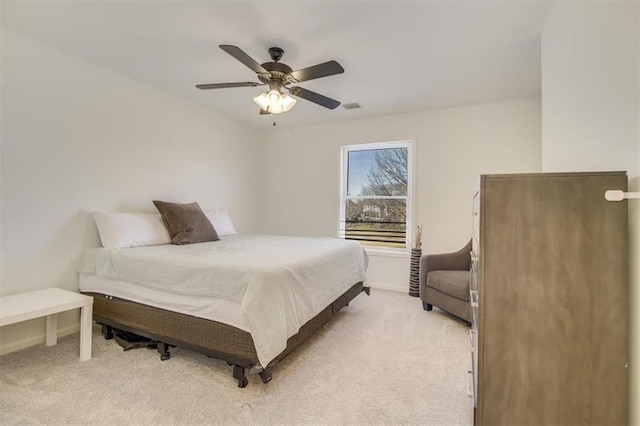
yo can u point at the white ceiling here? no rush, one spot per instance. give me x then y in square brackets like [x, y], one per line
[397, 56]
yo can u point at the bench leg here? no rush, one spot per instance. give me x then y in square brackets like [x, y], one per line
[52, 329]
[86, 314]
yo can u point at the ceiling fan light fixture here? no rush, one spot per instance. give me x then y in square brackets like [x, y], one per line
[278, 75]
[274, 101]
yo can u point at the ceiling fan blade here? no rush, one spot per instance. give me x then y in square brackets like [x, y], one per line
[226, 85]
[321, 70]
[239, 54]
[314, 97]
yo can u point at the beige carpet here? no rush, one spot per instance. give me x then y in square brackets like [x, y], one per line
[383, 360]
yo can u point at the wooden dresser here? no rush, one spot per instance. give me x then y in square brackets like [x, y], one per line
[549, 293]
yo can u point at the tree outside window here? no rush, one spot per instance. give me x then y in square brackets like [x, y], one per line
[376, 194]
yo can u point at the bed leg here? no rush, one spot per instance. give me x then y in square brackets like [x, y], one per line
[266, 375]
[163, 349]
[107, 331]
[367, 290]
[240, 374]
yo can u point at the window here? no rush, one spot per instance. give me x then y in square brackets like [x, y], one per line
[375, 195]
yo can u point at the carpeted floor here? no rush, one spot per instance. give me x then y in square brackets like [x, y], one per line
[383, 360]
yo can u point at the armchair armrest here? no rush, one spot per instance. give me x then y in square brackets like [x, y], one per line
[458, 261]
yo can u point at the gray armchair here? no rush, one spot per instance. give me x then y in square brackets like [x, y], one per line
[444, 282]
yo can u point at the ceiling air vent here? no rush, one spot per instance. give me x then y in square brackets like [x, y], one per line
[352, 105]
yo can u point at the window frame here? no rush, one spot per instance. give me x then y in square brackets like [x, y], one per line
[345, 150]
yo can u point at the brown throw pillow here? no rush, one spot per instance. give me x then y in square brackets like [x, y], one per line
[186, 223]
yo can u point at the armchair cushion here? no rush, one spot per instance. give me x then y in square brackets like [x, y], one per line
[453, 283]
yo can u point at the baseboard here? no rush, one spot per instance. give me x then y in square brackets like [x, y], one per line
[37, 340]
[381, 286]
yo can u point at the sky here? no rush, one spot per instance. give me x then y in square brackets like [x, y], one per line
[360, 162]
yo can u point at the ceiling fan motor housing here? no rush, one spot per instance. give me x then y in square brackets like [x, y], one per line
[276, 70]
[276, 53]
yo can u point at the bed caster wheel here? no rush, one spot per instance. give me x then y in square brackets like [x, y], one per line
[163, 349]
[107, 331]
[240, 374]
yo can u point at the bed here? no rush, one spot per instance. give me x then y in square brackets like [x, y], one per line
[247, 299]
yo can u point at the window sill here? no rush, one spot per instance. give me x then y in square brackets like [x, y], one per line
[387, 252]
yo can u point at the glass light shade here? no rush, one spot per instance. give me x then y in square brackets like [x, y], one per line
[262, 100]
[287, 102]
[274, 96]
[274, 101]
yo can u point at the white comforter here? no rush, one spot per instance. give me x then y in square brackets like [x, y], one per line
[280, 282]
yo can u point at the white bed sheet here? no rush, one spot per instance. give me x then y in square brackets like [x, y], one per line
[279, 282]
[210, 308]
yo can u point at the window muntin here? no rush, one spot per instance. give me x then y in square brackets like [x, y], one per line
[375, 194]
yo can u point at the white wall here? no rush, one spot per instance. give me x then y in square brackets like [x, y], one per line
[591, 114]
[452, 148]
[77, 138]
[590, 80]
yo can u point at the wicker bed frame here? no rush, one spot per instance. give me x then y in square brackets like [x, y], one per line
[208, 337]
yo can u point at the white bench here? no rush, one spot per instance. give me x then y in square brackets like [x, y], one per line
[50, 302]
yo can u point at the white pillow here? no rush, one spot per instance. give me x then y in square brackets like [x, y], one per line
[121, 230]
[221, 221]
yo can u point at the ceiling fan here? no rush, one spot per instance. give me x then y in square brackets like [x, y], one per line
[279, 76]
